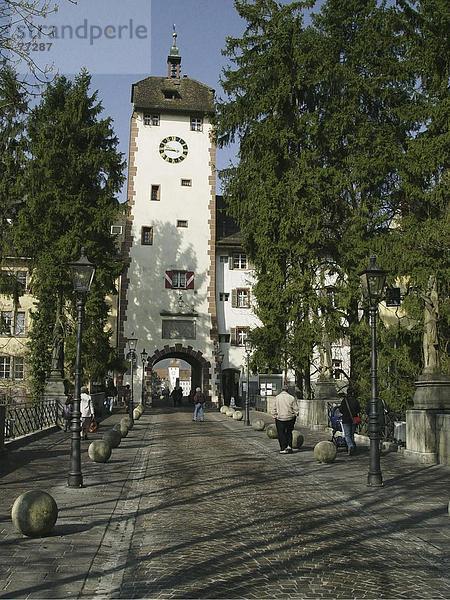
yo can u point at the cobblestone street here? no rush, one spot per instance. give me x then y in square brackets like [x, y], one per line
[212, 510]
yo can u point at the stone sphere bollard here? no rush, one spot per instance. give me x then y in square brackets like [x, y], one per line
[297, 439]
[137, 414]
[237, 415]
[258, 425]
[223, 409]
[113, 438]
[230, 412]
[99, 451]
[127, 422]
[325, 452]
[121, 428]
[34, 513]
[272, 432]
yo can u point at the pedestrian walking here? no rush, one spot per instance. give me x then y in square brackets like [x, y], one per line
[285, 412]
[199, 403]
[177, 395]
[67, 413]
[350, 410]
[87, 412]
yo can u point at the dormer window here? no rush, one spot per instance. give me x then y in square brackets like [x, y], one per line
[171, 95]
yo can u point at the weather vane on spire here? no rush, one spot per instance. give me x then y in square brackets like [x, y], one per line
[174, 35]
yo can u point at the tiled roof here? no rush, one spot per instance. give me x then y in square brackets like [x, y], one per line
[190, 95]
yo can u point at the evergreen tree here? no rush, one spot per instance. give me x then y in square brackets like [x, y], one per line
[273, 192]
[72, 179]
[13, 107]
[421, 241]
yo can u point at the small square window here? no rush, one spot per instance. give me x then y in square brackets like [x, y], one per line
[155, 193]
[223, 296]
[239, 261]
[151, 120]
[182, 223]
[116, 229]
[241, 334]
[241, 298]
[186, 183]
[223, 259]
[196, 124]
[147, 236]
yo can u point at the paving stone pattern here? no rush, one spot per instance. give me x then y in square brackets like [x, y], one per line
[212, 510]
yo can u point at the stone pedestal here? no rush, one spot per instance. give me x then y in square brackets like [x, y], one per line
[55, 389]
[432, 392]
[421, 436]
[423, 422]
[325, 393]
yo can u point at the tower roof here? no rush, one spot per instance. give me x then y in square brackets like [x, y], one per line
[172, 95]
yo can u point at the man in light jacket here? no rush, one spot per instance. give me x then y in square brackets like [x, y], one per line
[285, 411]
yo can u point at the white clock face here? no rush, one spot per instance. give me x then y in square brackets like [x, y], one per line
[173, 149]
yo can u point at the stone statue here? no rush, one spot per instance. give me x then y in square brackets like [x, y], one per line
[430, 320]
[326, 363]
[57, 365]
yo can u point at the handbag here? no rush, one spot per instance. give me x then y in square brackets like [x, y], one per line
[93, 426]
[356, 419]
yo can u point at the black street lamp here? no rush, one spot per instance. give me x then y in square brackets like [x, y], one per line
[219, 355]
[248, 350]
[82, 274]
[144, 356]
[373, 281]
[131, 356]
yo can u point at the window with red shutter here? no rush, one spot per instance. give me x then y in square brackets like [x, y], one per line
[168, 280]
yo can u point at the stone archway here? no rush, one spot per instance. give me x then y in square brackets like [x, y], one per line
[201, 368]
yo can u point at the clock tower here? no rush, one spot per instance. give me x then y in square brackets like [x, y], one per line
[167, 297]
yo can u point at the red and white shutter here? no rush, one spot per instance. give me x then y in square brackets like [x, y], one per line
[168, 280]
[189, 280]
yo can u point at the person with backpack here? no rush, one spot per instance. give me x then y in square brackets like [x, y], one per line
[199, 402]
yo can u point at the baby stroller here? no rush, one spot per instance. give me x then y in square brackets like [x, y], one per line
[335, 423]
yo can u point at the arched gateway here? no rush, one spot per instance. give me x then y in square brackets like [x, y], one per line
[201, 368]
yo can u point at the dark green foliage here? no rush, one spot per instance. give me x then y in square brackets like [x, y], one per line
[72, 177]
[343, 131]
[13, 107]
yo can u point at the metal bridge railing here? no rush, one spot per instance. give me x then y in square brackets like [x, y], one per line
[24, 419]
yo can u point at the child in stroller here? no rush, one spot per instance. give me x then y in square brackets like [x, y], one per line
[335, 423]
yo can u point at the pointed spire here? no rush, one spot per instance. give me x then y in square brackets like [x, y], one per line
[174, 58]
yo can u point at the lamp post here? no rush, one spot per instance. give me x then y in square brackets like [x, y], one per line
[82, 274]
[131, 356]
[144, 356]
[373, 281]
[248, 350]
[219, 359]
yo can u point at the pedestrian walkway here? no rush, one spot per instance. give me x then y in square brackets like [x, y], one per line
[212, 510]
